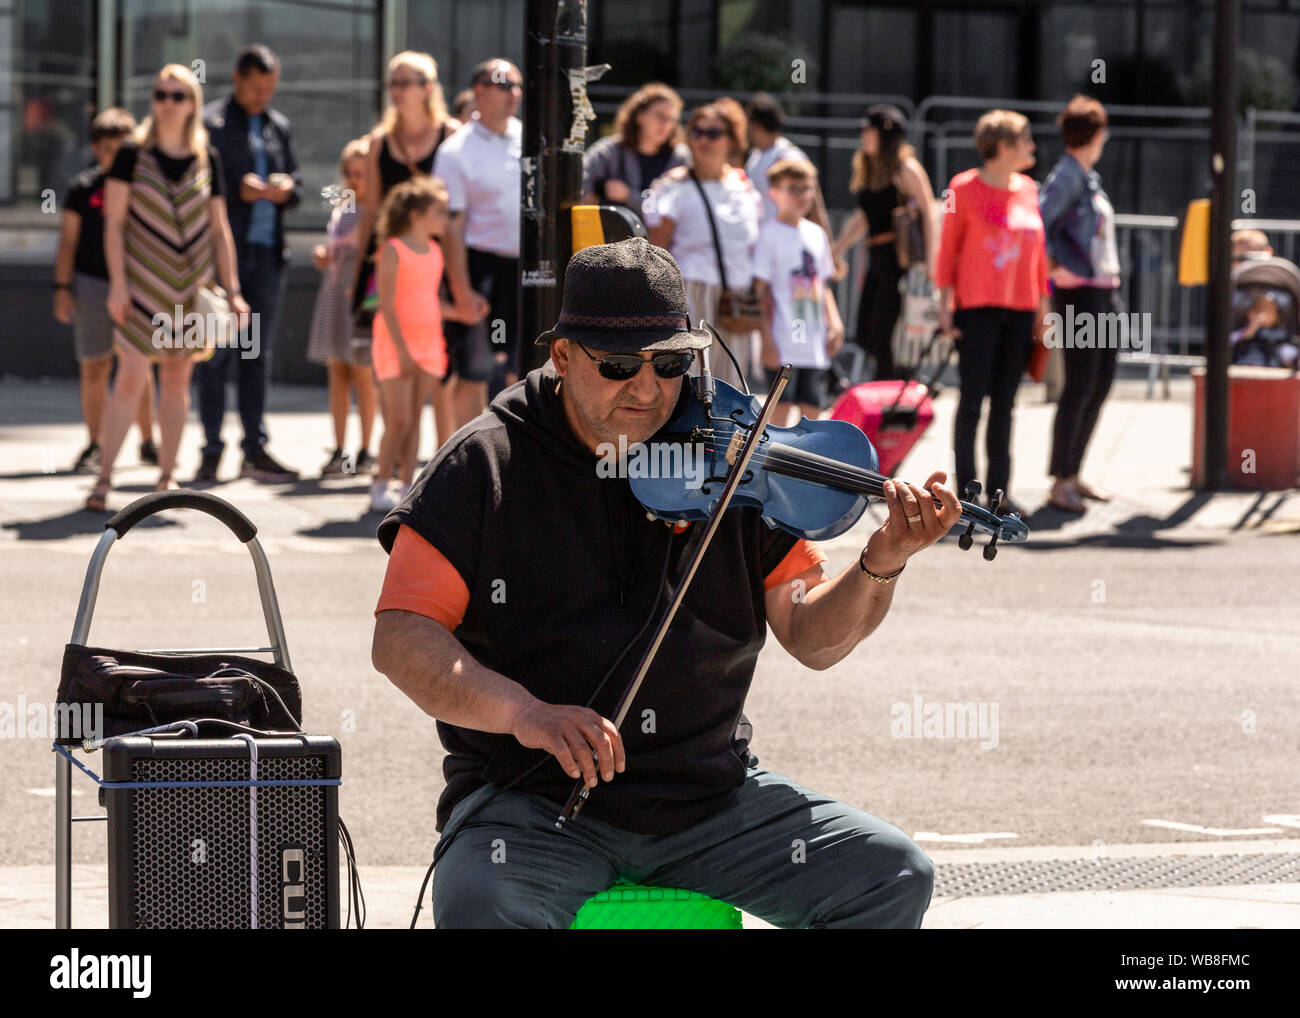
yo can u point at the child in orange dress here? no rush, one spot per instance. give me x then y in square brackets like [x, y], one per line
[408, 351]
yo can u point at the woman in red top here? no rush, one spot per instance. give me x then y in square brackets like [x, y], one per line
[992, 274]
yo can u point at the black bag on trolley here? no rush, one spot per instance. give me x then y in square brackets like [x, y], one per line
[139, 690]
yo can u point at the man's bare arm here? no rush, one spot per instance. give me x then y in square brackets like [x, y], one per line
[456, 263]
[428, 664]
[830, 617]
[819, 619]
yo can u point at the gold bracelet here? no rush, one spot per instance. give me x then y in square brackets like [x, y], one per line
[862, 564]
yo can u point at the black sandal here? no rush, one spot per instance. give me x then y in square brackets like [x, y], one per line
[97, 500]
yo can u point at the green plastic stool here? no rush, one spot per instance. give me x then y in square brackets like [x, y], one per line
[635, 907]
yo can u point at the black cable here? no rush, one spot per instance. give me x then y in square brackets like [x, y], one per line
[355, 895]
[244, 673]
[229, 724]
[445, 842]
[727, 350]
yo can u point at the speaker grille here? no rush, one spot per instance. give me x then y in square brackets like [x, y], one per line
[191, 849]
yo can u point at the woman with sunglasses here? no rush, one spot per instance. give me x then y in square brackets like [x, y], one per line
[707, 218]
[407, 137]
[403, 144]
[165, 232]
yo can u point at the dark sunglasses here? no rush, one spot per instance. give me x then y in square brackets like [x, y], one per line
[162, 95]
[408, 82]
[619, 367]
[712, 133]
[505, 86]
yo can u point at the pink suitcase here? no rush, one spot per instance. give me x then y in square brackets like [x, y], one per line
[894, 414]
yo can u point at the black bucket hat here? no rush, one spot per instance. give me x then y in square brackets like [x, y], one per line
[888, 120]
[625, 297]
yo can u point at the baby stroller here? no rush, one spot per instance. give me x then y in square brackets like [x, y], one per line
[1259, 286]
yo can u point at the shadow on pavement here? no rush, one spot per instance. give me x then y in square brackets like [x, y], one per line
[1144, 541]
[1110, 525]
[365, 527]
[318, 486]
[1136, 531]
[73, 524]
[36, 475]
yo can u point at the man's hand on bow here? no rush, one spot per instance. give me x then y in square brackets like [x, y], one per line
[585, 744]
[914, 522]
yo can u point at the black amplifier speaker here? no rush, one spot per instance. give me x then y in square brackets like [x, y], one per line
[189, 858]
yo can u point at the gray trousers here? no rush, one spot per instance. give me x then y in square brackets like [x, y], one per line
[775, 850]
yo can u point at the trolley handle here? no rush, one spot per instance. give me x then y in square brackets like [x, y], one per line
[186, 498]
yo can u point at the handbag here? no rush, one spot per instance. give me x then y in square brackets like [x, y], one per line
[738, 310]
[1039, 352]
[909, 241]
[222, 324]
[918, 318]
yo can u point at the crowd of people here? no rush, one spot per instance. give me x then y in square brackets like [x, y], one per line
[419, 268]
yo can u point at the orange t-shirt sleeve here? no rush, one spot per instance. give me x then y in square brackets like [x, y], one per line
[798, 560]
[421, 580]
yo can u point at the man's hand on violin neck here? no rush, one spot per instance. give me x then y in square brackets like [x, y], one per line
[914, 522]
[584, 743]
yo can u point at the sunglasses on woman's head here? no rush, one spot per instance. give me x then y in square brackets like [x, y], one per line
[162, 95]
[619, 367]
[712, 133]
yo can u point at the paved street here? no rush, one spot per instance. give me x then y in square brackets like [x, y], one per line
[1137, 665]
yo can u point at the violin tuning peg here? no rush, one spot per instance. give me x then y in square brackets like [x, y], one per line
[996, 501]
[991, 550]
[966, 540]
[972, 490]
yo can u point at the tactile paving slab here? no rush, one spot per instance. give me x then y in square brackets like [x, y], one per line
[956, 880]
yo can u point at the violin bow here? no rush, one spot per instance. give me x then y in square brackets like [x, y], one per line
[578, 797]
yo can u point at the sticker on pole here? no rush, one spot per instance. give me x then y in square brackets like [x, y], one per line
[543, 275]
[583, 111]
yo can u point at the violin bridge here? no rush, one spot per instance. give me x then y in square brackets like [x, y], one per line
[734, 446]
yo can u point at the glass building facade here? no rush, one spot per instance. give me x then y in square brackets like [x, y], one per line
[63, 59]
[944, 62]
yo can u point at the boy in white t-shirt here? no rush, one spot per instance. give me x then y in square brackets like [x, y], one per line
[793, 269]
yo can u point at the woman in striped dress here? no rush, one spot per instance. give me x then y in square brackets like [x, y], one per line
[165, 230]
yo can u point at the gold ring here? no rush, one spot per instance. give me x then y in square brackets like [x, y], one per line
[913, 519]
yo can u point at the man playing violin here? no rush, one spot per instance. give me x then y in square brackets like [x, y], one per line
[521, 589]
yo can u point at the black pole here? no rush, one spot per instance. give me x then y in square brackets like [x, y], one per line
[555, 53]
[1218, 314]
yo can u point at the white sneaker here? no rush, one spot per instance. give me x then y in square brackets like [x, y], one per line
[381, 500]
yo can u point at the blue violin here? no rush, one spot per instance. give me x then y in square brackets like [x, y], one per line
[814, 479]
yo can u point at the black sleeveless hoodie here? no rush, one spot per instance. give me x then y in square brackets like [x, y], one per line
[563, 568]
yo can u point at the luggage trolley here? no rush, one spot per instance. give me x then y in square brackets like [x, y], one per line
[116, 528]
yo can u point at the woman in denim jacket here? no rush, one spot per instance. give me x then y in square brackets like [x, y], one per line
[1080, 225]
